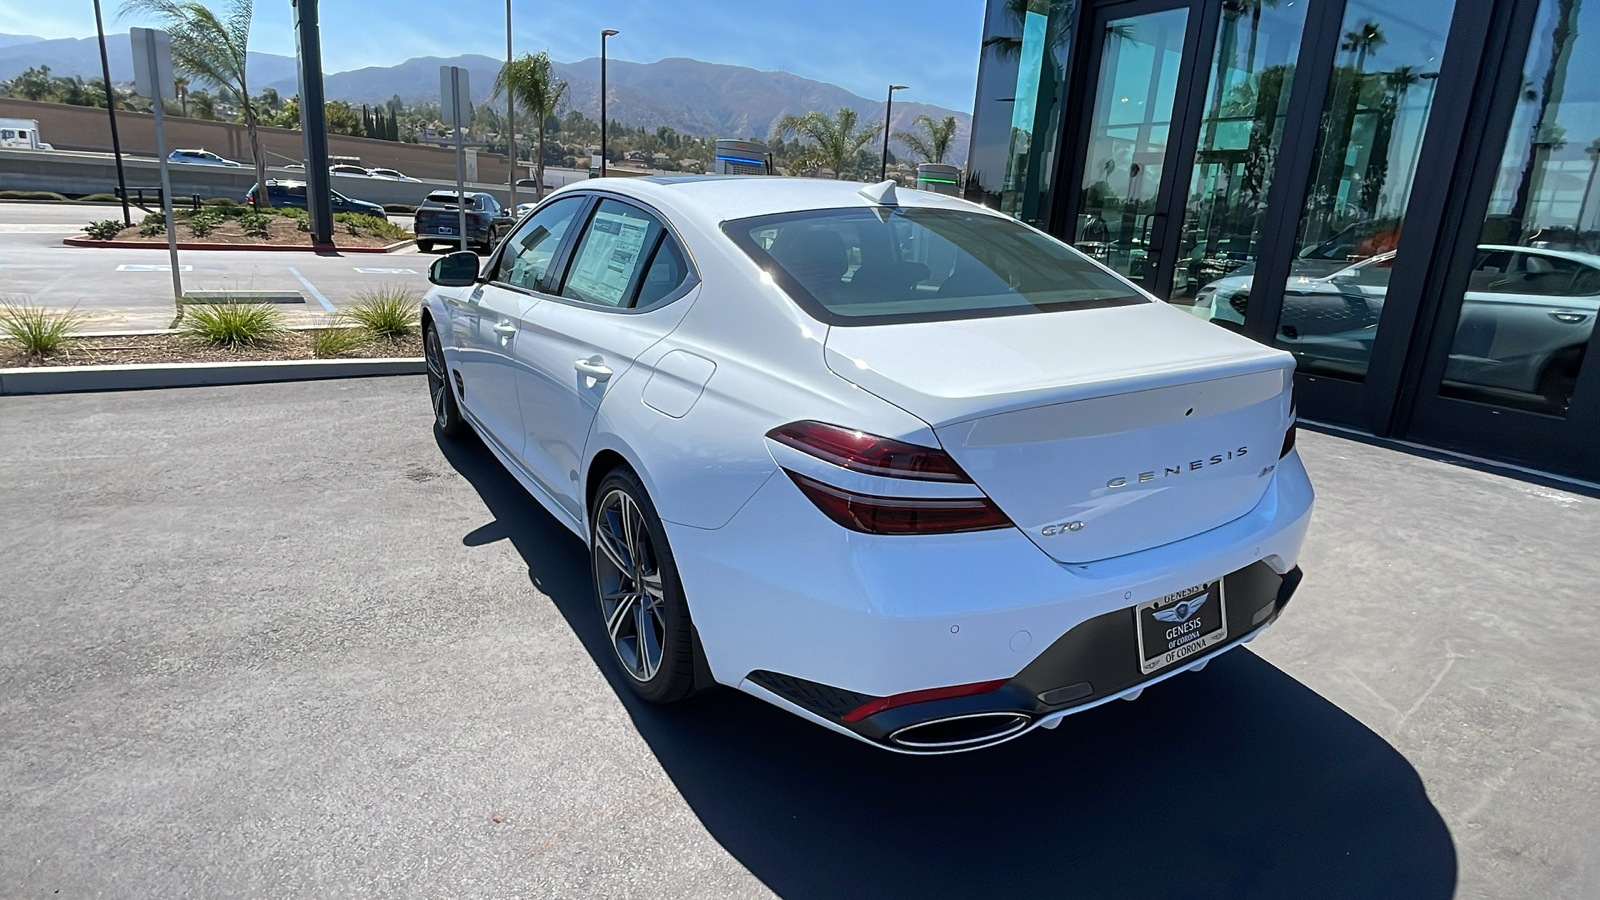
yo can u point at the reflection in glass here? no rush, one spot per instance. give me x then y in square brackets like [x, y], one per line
[1534, 289]
[1374, 116]
[1018, 114]
[1246, 103]
[1139, 66]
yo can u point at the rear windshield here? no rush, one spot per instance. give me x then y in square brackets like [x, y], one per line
[449, 199]
[873, 266]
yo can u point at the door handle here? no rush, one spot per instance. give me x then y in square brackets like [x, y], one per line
[505, 328]
[595, 370]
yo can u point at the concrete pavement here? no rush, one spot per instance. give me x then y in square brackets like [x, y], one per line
[277, 640]
[120, 290]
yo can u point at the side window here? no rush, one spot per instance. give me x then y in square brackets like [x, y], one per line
[530, 249]
[666, 272]
[1550, 276]
[607, 266]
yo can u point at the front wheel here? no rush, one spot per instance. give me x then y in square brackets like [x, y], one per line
[642, 606]
[446, 413]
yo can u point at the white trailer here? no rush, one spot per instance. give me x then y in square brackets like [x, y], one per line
[21, 134]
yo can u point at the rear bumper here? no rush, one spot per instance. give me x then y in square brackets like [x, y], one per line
[781, 589]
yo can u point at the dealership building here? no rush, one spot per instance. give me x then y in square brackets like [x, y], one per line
[1403, 195]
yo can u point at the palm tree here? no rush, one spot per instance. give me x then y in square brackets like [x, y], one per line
[180, 86]
[933, 144]
[532, 83]
[213, 48]
[1367, 38]
[835, 140]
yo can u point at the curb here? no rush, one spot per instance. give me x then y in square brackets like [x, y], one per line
[86, 241]
[81, 379]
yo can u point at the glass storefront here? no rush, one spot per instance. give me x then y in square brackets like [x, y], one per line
[1191, 143]
[1534, 291]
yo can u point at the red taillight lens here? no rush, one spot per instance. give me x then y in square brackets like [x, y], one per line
[869, 453]
[901, 515]
[878, 705]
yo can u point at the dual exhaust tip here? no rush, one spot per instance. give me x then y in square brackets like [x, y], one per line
[965, 732]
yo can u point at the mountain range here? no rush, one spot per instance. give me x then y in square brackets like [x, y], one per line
[690, 96]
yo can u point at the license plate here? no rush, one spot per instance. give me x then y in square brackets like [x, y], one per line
[1181, 624]
[447, 231]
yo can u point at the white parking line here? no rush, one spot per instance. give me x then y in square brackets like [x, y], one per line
[10, 228]
[130, 267]
[386, 271]
[313, 289]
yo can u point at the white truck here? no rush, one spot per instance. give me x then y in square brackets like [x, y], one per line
[21, 134]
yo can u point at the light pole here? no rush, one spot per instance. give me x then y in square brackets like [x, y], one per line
[511, 105]
[609, 32]
[888, 107]
[111, 110]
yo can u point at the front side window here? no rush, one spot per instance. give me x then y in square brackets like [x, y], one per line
[616, 248]
[873, 266]
[531, 247]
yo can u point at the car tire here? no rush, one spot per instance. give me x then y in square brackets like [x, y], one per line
[425, 246]
[1560, 378]
[447, 416]
[638, 592]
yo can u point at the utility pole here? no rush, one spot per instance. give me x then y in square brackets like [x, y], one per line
[888, 107]
[111, 110]
[152, 65]
[511, 108]
[313, 123]
[609, 32]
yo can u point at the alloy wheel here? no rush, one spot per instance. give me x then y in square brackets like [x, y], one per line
[433, 354]
[632, 598]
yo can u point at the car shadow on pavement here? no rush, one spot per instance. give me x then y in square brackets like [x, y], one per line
[1236, 781]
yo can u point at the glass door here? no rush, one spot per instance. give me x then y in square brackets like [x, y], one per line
[1189, 105]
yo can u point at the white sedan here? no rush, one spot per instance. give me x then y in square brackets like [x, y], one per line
[894, 462]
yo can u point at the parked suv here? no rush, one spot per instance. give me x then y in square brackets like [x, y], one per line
[437, 222]
[292, 194]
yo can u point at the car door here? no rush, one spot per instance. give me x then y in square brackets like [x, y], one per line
[1517, 322]
[617, 298]
[485, 322]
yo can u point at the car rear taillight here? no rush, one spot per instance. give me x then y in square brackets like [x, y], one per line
[1288, 441]
[871, 514]
[889, 458]
[879, 704]
[869, 453]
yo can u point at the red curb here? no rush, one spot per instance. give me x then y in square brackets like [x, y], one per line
[84, 241]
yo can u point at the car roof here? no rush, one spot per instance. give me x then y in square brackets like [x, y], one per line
[715, 199]
[1574, 255]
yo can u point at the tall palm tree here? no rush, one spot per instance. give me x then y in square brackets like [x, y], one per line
[180, 86]
[835, 140]
[933, 144]
[213, 48]
[532, 83]
[1367, 38]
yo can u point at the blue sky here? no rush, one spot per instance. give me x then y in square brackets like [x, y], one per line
[862, 45]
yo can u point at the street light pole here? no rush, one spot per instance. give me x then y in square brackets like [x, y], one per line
[603, 35]
[511, 106]
[111, 110]
[888, 107]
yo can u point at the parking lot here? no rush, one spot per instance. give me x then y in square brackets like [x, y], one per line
[121, 289]
[279, 640]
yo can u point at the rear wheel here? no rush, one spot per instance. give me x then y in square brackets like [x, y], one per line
[446, 414]
[1560, 378]
[642, 606]
[425, 246]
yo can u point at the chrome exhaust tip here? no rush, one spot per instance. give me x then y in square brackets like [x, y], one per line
[967, 732]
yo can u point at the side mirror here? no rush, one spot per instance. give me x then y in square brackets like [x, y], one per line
[457, 269]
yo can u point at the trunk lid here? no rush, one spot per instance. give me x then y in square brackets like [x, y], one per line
[1099, 432]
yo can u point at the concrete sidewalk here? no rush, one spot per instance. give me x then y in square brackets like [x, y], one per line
[277, 640]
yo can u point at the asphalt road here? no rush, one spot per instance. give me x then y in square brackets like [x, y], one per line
[278, 640]
[132, 289]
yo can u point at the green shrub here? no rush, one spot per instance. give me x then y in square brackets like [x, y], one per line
[223, 202]
[202, 224]
[233, 325]
[38, 331]
[358, 225]
[99, 198]
[404, 209]
[32, 195]
[389, 312]
[153, 225]
[256, 224]
[334, 341]
[103, 230]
